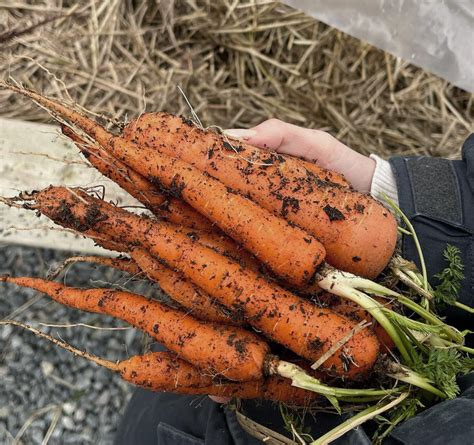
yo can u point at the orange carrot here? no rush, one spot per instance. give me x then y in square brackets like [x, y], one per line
[166, 372]
[161, 371]
[149, 129]
[290, 252]
[320, 172]
[216, 349]
[292, 321]
[188, 296]
[223, 245]
[167, 207]
[174, 284]
[359, 234]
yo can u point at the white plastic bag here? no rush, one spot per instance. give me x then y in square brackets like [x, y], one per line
[437, 35]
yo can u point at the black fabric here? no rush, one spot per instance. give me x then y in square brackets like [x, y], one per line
[154, 418]
[468, 156]
[435, 189]
[450, 422]
[437, 197]
[441, 213]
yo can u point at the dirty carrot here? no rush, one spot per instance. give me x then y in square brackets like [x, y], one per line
[149, 129]
[359, 234]
[184, 292]
[189, 297]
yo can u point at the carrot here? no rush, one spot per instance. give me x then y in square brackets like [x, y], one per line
[168, 208]
[289, 251]
[292, 321]
[359, 234]
[161, 205]
[217, 349]
[320, 172]
[226, 351]
[161, 371]
[188, 296]
[148, 130]
[173, 283]
[165, 372]
[214, 240]
[223, 245]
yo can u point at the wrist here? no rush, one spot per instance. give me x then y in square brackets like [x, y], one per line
[383, 180]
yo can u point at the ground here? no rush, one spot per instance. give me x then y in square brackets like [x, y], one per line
[44, 388]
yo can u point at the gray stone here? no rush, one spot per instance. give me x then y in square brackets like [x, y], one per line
[47, 368]
[16, 343]
[26, 380]
[68, 423]
[36, 435]
[79, 415]
[103, 399]
[69, 408]
[5, 331]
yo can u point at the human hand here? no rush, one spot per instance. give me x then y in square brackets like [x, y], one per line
[312, 145]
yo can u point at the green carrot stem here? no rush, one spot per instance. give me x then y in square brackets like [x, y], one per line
[404, 231]
[415, 239]
[404, 374]
[341, 284]
[408, 281]
[358, 419]
[442, 343]
[464, 307]
[433, 319]
[300, 379]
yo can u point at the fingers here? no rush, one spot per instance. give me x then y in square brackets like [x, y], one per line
[313, 145]
[220, 399]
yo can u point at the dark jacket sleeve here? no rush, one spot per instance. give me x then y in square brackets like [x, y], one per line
[437, 195]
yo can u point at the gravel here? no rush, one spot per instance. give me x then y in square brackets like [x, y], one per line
[44, 387]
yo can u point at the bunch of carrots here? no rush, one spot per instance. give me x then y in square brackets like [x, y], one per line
[256, 250]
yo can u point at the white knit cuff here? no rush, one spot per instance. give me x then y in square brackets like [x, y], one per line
[383, 181]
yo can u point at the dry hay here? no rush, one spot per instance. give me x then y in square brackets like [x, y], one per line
[238, 62]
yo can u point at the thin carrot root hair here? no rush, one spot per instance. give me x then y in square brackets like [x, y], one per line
[64, 345]
[124, 264]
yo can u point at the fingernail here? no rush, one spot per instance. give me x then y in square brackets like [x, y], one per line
[240, 133]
